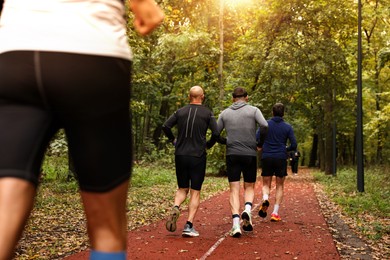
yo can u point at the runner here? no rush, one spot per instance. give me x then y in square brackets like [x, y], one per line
[293, 157]
[192, 122]
[66, 64]
[240, 121]
[274, 159]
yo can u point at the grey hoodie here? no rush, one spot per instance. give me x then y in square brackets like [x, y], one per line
[239, 120]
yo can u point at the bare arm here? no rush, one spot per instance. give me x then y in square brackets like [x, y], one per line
[148, 15]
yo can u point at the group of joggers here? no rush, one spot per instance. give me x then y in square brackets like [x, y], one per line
[247, 133]
[67, 64]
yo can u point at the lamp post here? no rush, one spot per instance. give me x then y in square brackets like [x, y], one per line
[359, 130]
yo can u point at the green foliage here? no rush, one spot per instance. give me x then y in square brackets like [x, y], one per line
[302, 53]
[384, 58]
[367, 207]
[152, 175]
[58, 146]
[163, 157]
[55, 168]
[216, 161]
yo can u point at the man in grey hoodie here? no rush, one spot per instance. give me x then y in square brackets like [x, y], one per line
[240, 121]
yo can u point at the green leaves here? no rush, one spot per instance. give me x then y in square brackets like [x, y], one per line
[302, 53]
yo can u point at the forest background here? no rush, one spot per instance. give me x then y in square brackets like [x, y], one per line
[299, 52]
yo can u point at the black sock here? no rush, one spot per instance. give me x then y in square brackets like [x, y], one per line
[189, 223]
[235, 216]
[176, 206]
[248, 203]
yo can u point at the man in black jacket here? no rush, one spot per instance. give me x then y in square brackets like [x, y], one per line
[192, 122]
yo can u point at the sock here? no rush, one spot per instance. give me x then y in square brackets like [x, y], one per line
[276, 209]
[265, 196]
[236, 219]
[189, 223]
[248, 206]
[97, 255]
[176, 206]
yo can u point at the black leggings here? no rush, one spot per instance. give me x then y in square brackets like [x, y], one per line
[88, 96]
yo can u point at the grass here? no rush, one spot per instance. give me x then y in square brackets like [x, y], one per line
[371, 208]
[56, 227]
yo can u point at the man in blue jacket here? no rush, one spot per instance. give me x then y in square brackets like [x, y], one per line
[274, 159]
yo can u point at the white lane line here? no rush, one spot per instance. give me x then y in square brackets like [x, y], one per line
[213, 247]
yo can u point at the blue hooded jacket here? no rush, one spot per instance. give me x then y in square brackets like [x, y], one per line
[276, 140]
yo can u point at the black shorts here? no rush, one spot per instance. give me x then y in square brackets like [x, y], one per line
[241, 163]
[190, 171]
[274, 166]
[88, 96]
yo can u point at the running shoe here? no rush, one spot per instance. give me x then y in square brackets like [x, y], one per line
[189, 232]
[275, 217]
[171, 222]
[235, 231]
[247, 220]
[263, 209]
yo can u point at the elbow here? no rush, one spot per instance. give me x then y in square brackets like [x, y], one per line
[165, 128]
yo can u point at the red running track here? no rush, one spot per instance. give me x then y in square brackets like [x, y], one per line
[302, 233]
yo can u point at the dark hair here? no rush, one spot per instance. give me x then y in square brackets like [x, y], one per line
[239, 92]
[278, 109]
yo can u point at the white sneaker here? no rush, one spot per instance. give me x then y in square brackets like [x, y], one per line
[235, 231]
[189, 232]
[246, 217]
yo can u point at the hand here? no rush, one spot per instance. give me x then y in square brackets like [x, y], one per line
[148, 15]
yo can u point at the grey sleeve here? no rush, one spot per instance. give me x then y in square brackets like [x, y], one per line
[220, 124]
[263, 129]
[260, 119]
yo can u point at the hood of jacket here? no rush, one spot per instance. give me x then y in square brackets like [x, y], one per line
[238, 105]
[277, 119]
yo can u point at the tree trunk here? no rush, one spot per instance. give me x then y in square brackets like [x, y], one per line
[321, 153]
[379, 147]
[163, 115]
[313, 152]
[164, 110]
[328, 131]
[137, 139]
[146, 126]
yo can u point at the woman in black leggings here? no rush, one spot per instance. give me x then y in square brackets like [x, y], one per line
[66, 64]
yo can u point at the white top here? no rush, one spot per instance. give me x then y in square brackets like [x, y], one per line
[95, 27]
